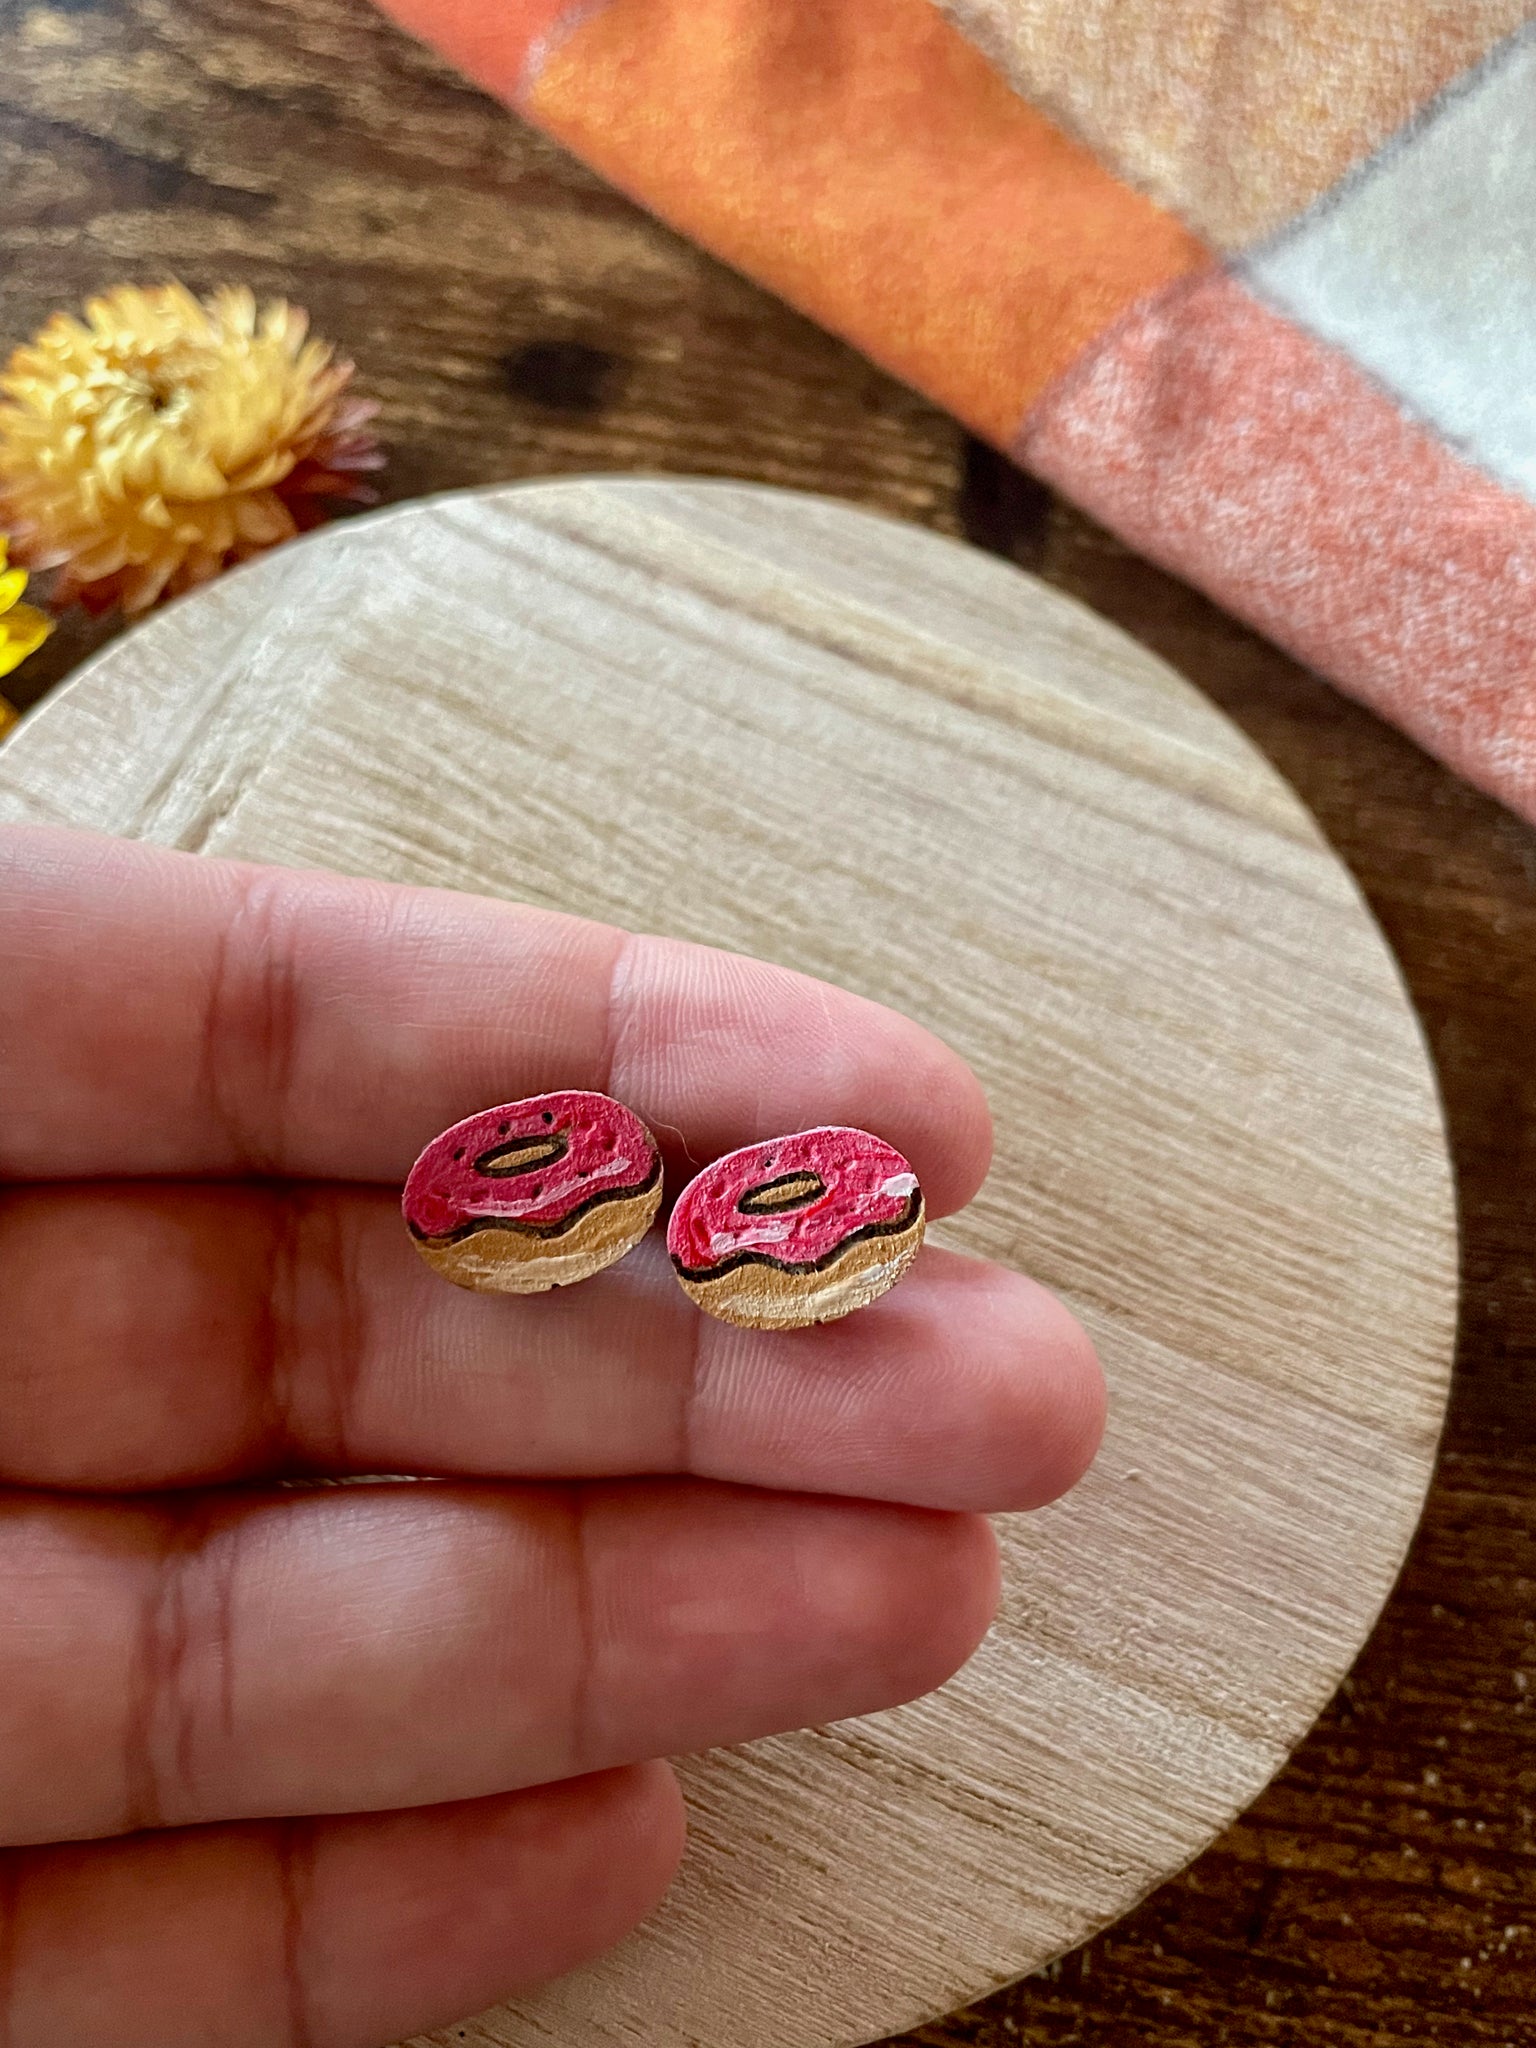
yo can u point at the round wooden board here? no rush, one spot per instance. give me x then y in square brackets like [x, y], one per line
[785, 726]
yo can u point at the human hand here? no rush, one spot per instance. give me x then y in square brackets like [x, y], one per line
[327, 1766]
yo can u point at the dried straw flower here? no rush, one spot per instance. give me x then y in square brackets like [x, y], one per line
[23, 628]
[165, 438]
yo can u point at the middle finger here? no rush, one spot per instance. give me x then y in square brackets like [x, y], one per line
[217, 1333]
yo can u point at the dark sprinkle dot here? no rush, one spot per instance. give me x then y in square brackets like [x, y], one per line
[583, 1173]
[460, 1153]
[549, 1116]
[538, 1189]
[502, 1129]
[564, 376]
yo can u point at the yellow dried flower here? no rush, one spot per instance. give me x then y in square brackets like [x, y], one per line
[165, 438]
[23, 628]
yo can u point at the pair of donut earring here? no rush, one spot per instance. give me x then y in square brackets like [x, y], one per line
[548, 1191]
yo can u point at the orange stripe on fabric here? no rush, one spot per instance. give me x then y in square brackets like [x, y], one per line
[860, 157]
[1222, 441]
[497, 42]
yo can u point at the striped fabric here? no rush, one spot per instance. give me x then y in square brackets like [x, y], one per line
[1253, 281]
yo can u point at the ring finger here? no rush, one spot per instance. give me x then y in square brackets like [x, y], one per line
[383, 1646]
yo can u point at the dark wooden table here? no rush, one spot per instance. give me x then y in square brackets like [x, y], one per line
[517, 318]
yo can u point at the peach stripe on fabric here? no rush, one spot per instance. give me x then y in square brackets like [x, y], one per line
[1234, 116]
[863, 159]
[1266, 467]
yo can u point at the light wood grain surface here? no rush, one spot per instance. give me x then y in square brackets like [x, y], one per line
[775, 723]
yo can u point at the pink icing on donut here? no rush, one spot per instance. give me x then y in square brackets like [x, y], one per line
[792, 1202]
[532, 1166]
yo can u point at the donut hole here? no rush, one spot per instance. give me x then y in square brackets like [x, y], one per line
[789, 1191]
[521, 1155]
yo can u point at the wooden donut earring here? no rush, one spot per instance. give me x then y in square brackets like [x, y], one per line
[534, 1194]
[797, 1230]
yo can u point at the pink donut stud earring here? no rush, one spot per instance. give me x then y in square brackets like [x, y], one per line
[534, 1194]
[797, 1230]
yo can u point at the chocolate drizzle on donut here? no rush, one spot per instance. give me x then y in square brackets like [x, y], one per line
[545, 1230]
[736, 1260]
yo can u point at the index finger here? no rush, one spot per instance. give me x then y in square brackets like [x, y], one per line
[161, 1013]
